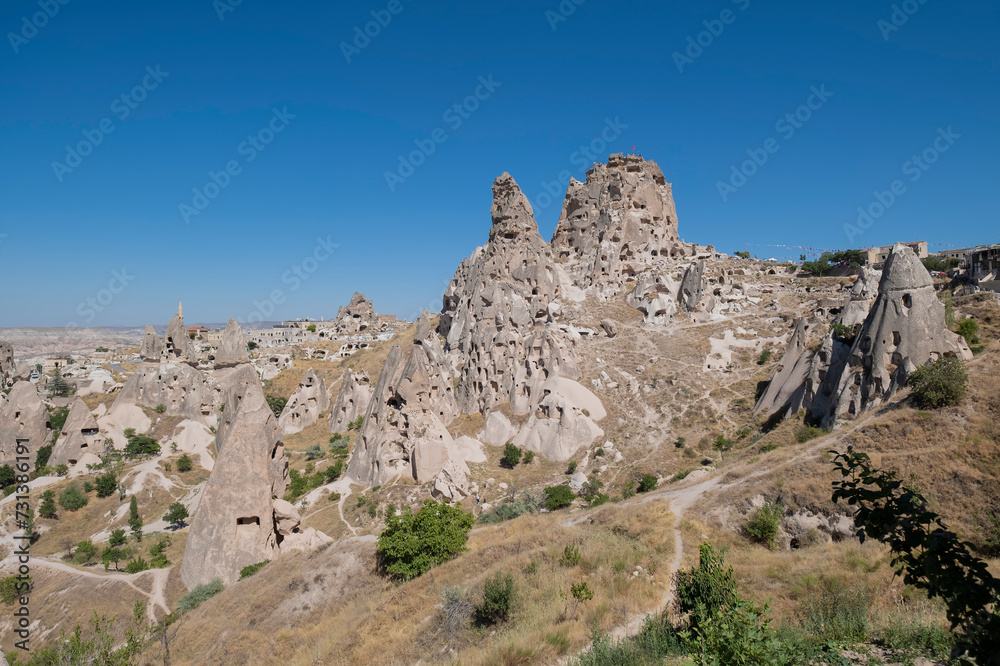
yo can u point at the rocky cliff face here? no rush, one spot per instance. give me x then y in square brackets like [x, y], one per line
[500, 312]
[23, 420]
[6, 365]
[181, 389]
[152, 345]
[235, 524]
[352, 401]
[232, 349]
[405, 428]
[177, 344]
[904, 330]
[304, 407]
[619, 223]
[80, 435]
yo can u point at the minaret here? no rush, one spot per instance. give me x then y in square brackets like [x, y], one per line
[180, 310]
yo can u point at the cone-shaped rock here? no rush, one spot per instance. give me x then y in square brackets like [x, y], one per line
[80, 434]
[152, 345]
[310, 400]
[352, 401]
[23, 420]
[233, 348]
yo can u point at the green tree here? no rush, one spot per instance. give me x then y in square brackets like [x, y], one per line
[176, 514]
[113, 554]
[85, 552]
[72, 499]
[311, 328]
[117, 538]
[184, 463]
[412, 543]
[968, 328]
[141, 445]
[939, 384]
[511, 456]
[499, 596]
[134, 519]
[58, 386]
[47, 509]
[106, 484]
[647, 483]
[925, 552]
[558, 497]
[7, 476]
[314, 452]
[764, 523]
[276, 403]
[742, 254]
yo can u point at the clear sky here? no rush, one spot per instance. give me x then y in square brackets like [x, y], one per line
[113, 114]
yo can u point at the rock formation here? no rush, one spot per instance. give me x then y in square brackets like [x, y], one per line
[23, 420]
[7, 368]
[176, 343]
[799, 373]
[352, 401]
[152, 346]
[232, 349]
[904, 330]
[357, 316]
[655, 296]
[692, 286]
[563, 422]
[310, 400]
[404, 430]
[80, 435]
[181, 389]
[863, 294]
[619, 223]
[239, 521]
[500, 309]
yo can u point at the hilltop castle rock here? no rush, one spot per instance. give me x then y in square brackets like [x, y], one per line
[23, 420]
[80, 435]
[620, 222]
[352, 401]
[232, 349]
[307, 404]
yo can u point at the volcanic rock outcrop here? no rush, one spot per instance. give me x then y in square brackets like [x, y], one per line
[239, 520]
[306, 405]
[23, 420]
[863, 294]
[352, 401]
[800, 372]
[619, 223]
[232, 349]
[176, 343]
[655, 296]
[904, 330]
[358, 316]
[7, 367]
[152, 345]
[404, 430]
[500, 309]
[80, 435]
[181, 389]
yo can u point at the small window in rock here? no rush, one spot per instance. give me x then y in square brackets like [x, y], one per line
[907, 301]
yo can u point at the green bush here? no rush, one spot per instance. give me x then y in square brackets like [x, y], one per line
[570, 556]
[42, 458]
[558, 497]
[764, 523]
[628, 490]
[106, 484]
[314, 452]
[251, 569]
[764, 357]
[803, 435]
[527, 503]
[276, 403]
[842, 331]
[647, 483]
[511, 456]
[968, 328]
[499, 596]
[184, 463]
[680, 443]
[141, 445]
[9, 590]
[412, 543]
[333, 472]
[199, 595]
[160, 408]
[157, 552]
[47, 508]
[300, 484]
[356, 423]
[7, 476]
[137, 565]
[85, 552]
[571, 468]
[528, 457]
[939, 384]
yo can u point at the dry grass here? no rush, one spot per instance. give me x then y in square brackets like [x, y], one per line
[329, 607]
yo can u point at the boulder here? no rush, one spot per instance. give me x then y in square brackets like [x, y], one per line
[307, 404]
[352, 401]
[24, 420]
[232, 349]
[610, 327]
[576, 482]
[80, 435]
[286, 517]
[452, 483]
[498, 430]
[692, 286]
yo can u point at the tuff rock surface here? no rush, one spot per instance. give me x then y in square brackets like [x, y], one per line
[352, 401]
[80, 435]
[23, 420]
[232, 349]
[181, 389]
[307, 404]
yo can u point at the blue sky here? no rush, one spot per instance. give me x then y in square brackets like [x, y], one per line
[267, 91]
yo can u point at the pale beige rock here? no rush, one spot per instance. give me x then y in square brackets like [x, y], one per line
[286, 517]
[180, 388]
[152, 346]
[307, 404]
[23, 420]
[177, 344]
[452, 482]
[498, 430]
[561, 424]
[232, 349]
[7, 365]
[80, 435]
[352, 401]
